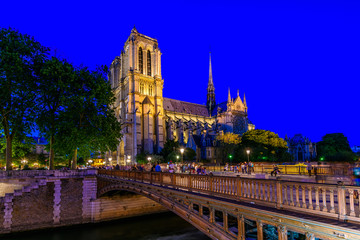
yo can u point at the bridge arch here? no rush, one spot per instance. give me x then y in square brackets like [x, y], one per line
[177, 207]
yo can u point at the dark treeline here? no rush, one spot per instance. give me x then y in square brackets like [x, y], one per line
[71, 106]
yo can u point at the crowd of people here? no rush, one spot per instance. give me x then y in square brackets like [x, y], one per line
[244, 167]
[170, 167]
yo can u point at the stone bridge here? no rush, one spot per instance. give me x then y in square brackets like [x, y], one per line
[238, 208]
[221, 207]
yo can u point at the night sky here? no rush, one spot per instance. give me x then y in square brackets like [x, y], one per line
[297, 61]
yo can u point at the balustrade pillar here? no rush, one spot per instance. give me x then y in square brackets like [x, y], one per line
[323, 191]
[310, 198]
[279, 194]
[303, 189]
[332, 208]
[341, 200]
[351, 198]
[317, 204]
[190, 182]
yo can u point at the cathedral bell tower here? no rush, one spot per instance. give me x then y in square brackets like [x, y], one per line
[210, 103]
[138, 86]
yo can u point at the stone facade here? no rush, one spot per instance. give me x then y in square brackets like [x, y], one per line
[111, 207]
[149, 119]
[301, 148]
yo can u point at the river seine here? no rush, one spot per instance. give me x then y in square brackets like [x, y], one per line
[164, 226]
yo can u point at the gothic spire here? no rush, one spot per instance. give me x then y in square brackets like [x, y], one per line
[229, 96]
[245, 101]
[238, 93]
[134, 29]
[210, 90]
[210, 83]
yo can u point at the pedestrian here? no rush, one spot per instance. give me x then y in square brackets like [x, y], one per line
[157, 168]
[275, 171]
[309, 167]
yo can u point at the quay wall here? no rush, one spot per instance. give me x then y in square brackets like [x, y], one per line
[63, 200]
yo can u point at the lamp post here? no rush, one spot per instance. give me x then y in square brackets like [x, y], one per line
[110, 159]
[24, 162]
[248, 154]
[128, 159]
[90, 162]
[177, 158]
[182, 154]
[149, 160]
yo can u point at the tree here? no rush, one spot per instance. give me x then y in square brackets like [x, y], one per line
[335, 147]
[169, 147]
[228, 143]
[189, 154]
[264, 145]
[20, 58]
[88, 123]
[20, 148]
[55, 82]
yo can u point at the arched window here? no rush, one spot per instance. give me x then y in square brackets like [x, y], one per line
[141, 68]
[148, 63]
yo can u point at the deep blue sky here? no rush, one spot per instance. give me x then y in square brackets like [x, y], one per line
[297, 61]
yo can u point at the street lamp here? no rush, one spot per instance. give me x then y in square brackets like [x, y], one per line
[149, 159]
[248, 153]
[182, 154]
[90, 162]
[177, 158]
[110, 159]
[128, 159]
[24, 162]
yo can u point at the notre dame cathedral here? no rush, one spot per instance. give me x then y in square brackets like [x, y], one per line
[149, 119]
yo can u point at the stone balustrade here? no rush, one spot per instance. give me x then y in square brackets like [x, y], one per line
[332, 200]
[46, 173]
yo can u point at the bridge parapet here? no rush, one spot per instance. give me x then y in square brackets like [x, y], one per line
[331, 200]
[46, 173]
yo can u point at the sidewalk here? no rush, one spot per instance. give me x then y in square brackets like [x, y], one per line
[286, 177]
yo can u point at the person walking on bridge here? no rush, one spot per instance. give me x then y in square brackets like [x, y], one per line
[309, 167]
[157, 168]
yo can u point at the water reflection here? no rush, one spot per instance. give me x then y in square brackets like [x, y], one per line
[164, 226]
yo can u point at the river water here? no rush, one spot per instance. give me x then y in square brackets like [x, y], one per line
[163, 226]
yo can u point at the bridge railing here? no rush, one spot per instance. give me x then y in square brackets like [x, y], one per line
[331, 200]
[46, 173]
[328, 170]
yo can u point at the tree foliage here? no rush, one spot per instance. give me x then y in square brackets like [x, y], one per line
[54, 98]
[228, 144]
[169, 147]
[20, 60]
[335, 147]
[265, 145]
[89, 123]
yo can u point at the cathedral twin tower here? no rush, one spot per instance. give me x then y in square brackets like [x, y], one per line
[149, 119]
